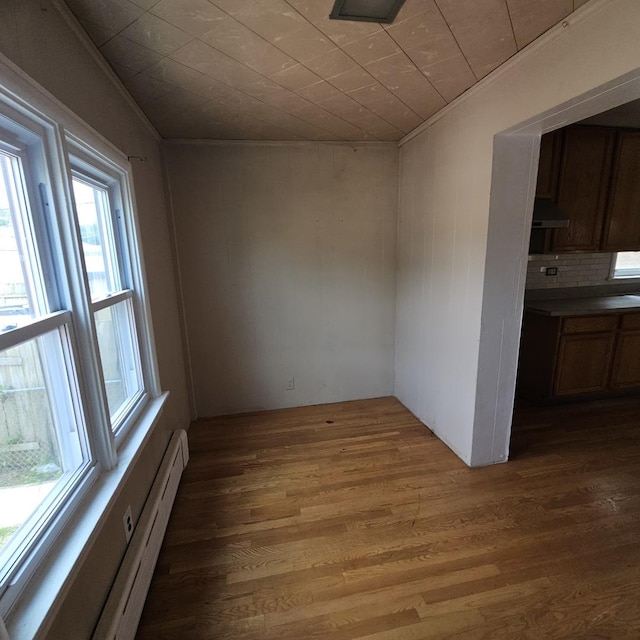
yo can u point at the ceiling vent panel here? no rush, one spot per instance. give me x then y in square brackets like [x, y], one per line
[383, 11]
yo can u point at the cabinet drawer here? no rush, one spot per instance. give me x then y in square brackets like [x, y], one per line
[631, 321]
[590, 324]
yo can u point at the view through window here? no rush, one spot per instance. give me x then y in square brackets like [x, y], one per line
[77, 368]
[627, 265]
[111, 300]
[40, 443]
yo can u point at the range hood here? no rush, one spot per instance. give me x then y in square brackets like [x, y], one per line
[547, 215]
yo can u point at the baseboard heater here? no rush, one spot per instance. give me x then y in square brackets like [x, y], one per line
[121, 614]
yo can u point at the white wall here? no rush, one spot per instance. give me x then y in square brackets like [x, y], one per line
[440, 255]
[287, 259]
[459, 300]
[35, 37]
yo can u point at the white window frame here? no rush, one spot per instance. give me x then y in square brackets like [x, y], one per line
[28, 137]
[93, 166]
[622, 274]
[36, 582]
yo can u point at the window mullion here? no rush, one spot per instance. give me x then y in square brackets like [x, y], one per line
[141, 306]
[46, 234]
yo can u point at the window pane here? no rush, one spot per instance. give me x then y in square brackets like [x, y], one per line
[96, 230]
[40, 442]
[627, 264]
[119, 355]
[18, 302]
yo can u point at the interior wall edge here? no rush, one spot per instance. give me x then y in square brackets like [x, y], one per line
[175, 254]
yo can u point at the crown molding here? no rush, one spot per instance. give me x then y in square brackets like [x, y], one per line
[204, 142]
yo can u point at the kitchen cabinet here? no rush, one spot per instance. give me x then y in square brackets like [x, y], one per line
[592, 174]
[549, 164]
[584, 362]
[625, 373]
[583, 184]
[547, 185]
[563, 357]
[622, 218]
[536, 363]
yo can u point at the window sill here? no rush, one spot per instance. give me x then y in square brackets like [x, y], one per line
[35, 608]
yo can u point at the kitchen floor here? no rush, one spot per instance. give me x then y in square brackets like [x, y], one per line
[547, 428]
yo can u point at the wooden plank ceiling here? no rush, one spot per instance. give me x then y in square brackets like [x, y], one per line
[281, 70]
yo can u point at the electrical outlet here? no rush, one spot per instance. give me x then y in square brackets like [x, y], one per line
[128, 524]
[291, 384]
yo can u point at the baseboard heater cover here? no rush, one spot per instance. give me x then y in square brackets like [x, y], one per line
[122, 611]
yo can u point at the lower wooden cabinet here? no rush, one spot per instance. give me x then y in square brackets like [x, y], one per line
[583, 363]
[563, 357]
[625, 373]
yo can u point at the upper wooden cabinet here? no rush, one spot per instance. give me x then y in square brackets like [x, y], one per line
[549, 165]
[622, 219]
[585, 173]
[593, 173]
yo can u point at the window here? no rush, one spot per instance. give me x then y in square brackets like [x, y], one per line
[626, 264]
[77, 365]
[98, 206]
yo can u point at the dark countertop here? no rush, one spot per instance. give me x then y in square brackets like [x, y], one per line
[585, 306]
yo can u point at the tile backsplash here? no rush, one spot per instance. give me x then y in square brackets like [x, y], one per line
[574, 270]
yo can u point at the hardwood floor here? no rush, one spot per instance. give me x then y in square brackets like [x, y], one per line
[352, 521]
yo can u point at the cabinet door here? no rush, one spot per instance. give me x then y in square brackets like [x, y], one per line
[536, 364]
[549, 165]
[582, 190]
[622, 220]
[583, 363]
[626, 365]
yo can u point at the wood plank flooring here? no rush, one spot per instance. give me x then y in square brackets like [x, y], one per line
[352, 521]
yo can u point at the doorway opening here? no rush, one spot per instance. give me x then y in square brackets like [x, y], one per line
[515, 168]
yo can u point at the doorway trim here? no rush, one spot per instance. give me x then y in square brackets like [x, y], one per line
[514, 171]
